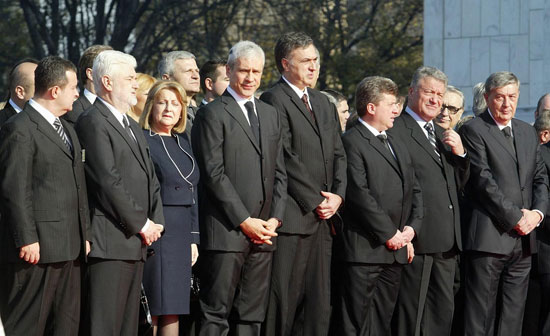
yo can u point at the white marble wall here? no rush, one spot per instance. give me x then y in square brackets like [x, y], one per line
[470, 39]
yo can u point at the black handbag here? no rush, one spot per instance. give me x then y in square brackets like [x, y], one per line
[145, 320]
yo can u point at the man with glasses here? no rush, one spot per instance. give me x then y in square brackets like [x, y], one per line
[426, 298]
[452, 108]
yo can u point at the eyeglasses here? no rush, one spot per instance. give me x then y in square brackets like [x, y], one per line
[451, 109]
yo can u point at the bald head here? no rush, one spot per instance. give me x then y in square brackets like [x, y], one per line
[22, 82]
[543, 104]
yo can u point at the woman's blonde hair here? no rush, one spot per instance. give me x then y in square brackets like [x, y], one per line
[147, 117]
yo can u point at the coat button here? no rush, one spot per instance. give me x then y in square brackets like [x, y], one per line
[177, 188]
[450, 206]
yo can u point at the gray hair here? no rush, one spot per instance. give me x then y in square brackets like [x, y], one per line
[452, 89]
[370, 90]
[288, 43]
[542, 123]
[500, 79]
[428, 71]
[244, 49]
[331, 98]
[166, 65]
[106, 64]
[479, 104]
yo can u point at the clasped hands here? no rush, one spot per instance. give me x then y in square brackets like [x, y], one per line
[152, 234]
[260, 231]
[528, 222]
[402, 239]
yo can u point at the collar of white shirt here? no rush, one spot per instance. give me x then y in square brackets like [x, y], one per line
[90, 96]
[118, 115]
[421, 122]
[14, 105]
[241, 101]
[501, 126]
[373, 130]
[44, 112]
[299, 93]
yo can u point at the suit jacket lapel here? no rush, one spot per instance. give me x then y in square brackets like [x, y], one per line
[43, 126]
[519, 140]
[497, 134]
[236, 112]
[118, 127]
[379, 147]
[418, 135]
[300, 105]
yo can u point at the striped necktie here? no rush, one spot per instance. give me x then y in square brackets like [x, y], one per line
[61, 132]
[431, 136]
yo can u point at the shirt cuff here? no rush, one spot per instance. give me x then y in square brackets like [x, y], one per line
[541, 215]
[146, 226]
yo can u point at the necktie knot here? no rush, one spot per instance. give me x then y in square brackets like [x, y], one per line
[382, 137]
[308, 108]
[507, 131]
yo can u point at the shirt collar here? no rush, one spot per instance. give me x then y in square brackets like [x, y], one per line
[500, 126]
[90, 96]
[240, 100]
[14, 105]
[373, 130]
[44, 112]
[294, 88]
[118, 115]
[204, 102]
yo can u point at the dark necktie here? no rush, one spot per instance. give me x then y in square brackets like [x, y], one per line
[431, 136]
[127, 128]
[253, 119]
[61, 131]
[508, 135]
[306, 102]
[384, 139]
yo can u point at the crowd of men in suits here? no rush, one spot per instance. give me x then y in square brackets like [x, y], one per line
[304, 230]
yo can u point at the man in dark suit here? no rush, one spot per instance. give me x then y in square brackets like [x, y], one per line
[239, 150]
[124, 197]
[316, 167]
[87, 91]
[426, 298]
[45, 219]
[509, 189]
[383, 212]
[21, 81]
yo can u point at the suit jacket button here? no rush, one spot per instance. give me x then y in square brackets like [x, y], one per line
[261, 202]
[450, 206]
[177, 188]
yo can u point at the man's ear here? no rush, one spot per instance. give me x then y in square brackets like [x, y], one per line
[20, 92]
[165, 76]
[89, 75]
[209, 84]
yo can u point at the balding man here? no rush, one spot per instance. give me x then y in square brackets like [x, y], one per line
[21, 88]
[542, 104]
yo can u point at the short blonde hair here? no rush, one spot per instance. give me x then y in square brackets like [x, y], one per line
[145, 82]
[146, 117]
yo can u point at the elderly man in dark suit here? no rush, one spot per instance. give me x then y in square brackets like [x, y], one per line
[87, 91]
[45, 219]
[124, 196]
[237, 141]
[383, 212]
[316, 169]
[21, 86]
[426, 299]
[509, 188]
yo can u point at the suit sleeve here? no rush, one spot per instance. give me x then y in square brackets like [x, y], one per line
[106, 178]
[417, 210]
[540, 185]
[300, 186]
[365, 207]
[16, 169]
[280, 184]
[339, 181]
[208, 140]
[483, 183]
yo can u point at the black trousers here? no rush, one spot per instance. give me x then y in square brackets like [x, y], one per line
[299, 300]
[425, 304]
[369, 294]
[114, 293]
[492, 278]
[234, 291]
[42, 299]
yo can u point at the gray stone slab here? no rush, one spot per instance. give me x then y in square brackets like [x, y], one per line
[536, 34]
[524, 97]
[433, 19]
[524, 17]
[535, 4]
[468, 97]
[509, 17]
[500, 53]
[536, 83]
[457, 61]
[433, 52]
[453, 18]
[519, 56]
[471, 18]
[480, 59]
[490, 17]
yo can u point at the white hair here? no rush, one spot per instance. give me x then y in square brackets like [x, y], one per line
[244, 49]
[166, 65]
[106, 64]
